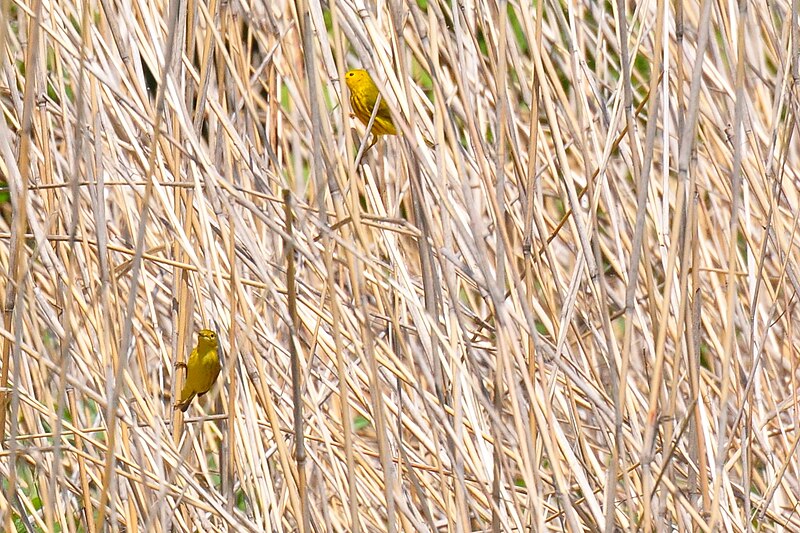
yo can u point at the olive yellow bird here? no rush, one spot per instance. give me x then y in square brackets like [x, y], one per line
[202, 369]
[363, 97]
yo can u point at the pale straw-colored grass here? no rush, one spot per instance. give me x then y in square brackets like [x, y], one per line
[565, 298]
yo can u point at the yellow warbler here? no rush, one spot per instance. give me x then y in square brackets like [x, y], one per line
[202, 368]
[363, 95]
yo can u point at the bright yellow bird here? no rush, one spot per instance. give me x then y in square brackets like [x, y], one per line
[202, 368]
[363, 95]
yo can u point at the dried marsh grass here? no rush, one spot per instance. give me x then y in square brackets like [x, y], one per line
[565, 298]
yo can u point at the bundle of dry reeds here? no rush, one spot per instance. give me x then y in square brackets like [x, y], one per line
[564, 298]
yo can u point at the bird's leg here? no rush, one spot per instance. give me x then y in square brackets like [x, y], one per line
[180, 364]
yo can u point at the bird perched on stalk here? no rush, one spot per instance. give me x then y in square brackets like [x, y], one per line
[202, 368]
[363, 97]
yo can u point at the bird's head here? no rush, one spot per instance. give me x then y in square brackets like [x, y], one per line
[207, 337]
[357, 78]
